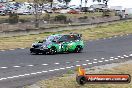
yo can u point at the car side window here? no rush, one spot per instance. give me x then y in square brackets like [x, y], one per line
[64, 38]
[72, 38]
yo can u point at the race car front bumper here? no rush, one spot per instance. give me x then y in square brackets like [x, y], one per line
[37, 50]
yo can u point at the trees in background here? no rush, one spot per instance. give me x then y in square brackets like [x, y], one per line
[67, 1]
[106, 12]
[37, 3]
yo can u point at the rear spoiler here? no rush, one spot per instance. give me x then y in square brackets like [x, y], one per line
[79, 35]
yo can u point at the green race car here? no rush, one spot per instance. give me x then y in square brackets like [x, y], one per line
[59, 43]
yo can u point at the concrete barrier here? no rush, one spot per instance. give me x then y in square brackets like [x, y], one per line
[56, 29]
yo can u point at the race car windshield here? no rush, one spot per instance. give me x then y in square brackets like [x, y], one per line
[53, 38]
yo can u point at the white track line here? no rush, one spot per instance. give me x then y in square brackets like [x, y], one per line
[77, 61]
[30, 65]
[33, 73]
[106, 60]
[3, 78]
[68, 67]
[102, 58]
[78, 65]
[115, 58]
[16, 66]
[21, 75]
[44, 71]
[87, 60]
[125, 56]
[111, 59]
[67, 62]
[84, 64]
[51, 70]
[118, 56]
[26, 74]
[2, 50]
[122, 57]
[57, 69]
[89, 63]
[3, 67]
[62, 68]
[130, 55]
[95, 62]
[56, 63]
[45, 64]
[72, 66]
[38, 72]
[100, 61]
[17, 76]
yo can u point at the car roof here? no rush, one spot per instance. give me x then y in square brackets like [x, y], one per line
[57, 35]
[62, 34]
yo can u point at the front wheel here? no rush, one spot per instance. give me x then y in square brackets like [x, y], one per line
[78, 49]
[52, 51]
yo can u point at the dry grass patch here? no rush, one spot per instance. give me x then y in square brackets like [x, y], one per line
[70, 82]
[88, 34]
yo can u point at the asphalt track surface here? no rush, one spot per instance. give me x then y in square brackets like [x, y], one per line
[18, 67]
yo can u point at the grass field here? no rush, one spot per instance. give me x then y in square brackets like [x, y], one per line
[88, 34]
[68, 81]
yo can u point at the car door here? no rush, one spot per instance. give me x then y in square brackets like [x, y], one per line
[63, 43]
[68, 43]
[71, 43]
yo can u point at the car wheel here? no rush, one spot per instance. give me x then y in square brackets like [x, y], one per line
[81, 80]
[52, 51]
[78, 49]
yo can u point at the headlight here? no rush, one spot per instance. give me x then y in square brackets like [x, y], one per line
[32, 45]
[44, 47]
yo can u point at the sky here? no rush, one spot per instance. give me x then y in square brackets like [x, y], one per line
[123, 3]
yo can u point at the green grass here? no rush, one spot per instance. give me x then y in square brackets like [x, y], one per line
[121, 28]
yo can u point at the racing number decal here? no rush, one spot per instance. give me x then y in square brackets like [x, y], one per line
[63, 47]
[60, 47]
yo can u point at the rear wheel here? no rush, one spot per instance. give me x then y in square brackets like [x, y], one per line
[78, 49]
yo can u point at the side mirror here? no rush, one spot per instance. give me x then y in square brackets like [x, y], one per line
[40, 41]
[53, 41]
[60, 41]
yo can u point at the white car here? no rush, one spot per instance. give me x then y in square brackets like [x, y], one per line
[64, 11]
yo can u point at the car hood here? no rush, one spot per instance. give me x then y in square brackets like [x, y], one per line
[38, 45]
[47, 43]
